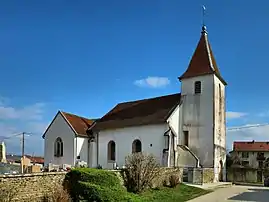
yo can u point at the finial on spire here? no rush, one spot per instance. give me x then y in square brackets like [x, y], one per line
[204, 31]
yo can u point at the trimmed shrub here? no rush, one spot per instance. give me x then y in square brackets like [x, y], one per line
[97, 193]
[98, 185]
[98, 176]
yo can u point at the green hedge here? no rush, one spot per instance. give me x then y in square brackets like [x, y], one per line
[94, 192]
[90, 184]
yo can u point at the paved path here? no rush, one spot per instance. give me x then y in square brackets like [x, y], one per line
[235, 194]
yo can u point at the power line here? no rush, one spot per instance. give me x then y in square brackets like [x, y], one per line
[11, 136]
[246, 127]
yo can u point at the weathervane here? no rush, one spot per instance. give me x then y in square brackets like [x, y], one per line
[203, 15]
[204, 27]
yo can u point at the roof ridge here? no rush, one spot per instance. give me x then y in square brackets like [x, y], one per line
[152, 98]
[82, 117]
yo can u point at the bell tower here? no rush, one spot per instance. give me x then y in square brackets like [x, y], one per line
[203, 105]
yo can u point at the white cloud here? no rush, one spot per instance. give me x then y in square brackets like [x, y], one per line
[37, 127]
[15, 120]
[249, 132]
[32, 112]
[33, 140]
[235, 115]
[153, 82]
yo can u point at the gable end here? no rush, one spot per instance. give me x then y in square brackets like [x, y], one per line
[59, 112]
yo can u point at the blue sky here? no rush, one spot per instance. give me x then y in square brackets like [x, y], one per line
[84, 57]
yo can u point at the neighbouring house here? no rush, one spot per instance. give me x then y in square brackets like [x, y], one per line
[250, 161]
[28, 160]
[184, 129]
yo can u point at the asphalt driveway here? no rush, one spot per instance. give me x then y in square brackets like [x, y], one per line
[236, 193]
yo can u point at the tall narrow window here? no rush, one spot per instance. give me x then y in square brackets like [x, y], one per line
[136, 146]
[186, 138]
[197, 87]
[111, 151]
[58, 147]
[166, 141]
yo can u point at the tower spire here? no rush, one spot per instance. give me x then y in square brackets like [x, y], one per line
[203, 61]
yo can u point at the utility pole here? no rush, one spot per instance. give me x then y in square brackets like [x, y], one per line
[22, 153]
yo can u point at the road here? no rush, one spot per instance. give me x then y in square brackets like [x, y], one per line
[235, 194]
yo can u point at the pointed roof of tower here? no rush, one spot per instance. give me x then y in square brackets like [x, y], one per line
[203, 61]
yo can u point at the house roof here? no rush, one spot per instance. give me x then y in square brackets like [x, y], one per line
[140, 112]
[36, 159]
[251, 146]
[79, 124]
[12, 158]
[203, 61]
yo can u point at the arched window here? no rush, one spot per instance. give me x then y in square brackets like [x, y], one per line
[136, 146]
[197, 87]
[111, 151]
[58, 147]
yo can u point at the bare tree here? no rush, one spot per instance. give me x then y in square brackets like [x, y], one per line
[141, 169]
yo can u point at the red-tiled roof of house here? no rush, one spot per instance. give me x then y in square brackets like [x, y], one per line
[203, 61]
[35, 159]
[79, 124]
[251, 146]
[140, 112]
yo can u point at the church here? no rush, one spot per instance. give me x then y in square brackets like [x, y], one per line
[186, 129]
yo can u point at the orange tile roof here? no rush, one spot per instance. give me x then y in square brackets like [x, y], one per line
[251, 146]
[203, 61]
[36, 159]
[80, 124]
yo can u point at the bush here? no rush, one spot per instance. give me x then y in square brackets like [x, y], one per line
[94, 192]
[96, 185]
[141, 169]
[95, 176]
[174, 180]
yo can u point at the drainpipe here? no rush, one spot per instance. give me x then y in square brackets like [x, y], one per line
[76, 150]
[97, 148]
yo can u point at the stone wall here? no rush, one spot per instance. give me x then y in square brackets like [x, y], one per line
[163, 178]
[165, 174]
[29, 187]
[33, 187]
[208, 175]
[201, 175]
[245, 175]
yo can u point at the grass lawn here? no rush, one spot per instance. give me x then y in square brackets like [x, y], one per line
[178, 194]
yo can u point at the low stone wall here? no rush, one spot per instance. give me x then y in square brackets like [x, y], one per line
[245, 175]
[200, 175]
[208, 175]
[165, 174]
[33, 187]
[163, 178]
[29, 187]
